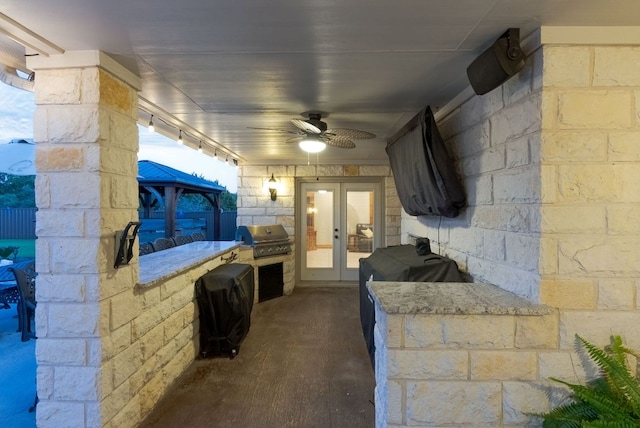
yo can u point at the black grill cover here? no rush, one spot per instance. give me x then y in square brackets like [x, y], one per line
[401, 263]
[225, 301]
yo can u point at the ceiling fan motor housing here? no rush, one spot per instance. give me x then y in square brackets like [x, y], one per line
[314, 119]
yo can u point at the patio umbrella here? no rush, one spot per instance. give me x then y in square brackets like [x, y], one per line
[17, 157]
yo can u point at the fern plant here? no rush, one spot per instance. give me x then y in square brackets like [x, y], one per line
[611, 400]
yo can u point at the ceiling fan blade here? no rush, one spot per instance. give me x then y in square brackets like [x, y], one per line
[295, 140]
[306, 126]
[284, 131]
[351, 134]
[341, 142]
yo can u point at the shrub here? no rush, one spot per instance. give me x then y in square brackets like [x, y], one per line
[610, 400]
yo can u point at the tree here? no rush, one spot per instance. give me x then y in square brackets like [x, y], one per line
[17, 191]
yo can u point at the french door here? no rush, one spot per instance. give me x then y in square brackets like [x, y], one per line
[340, 223]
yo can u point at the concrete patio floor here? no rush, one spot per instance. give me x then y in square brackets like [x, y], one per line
[17, 374]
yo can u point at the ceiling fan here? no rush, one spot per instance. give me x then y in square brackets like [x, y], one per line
[313, 135]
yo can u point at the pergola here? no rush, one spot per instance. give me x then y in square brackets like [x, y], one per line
[159, 182]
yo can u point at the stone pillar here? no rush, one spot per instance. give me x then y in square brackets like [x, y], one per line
[86, 189]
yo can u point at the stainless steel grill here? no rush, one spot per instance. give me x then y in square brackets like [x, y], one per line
[269, 240]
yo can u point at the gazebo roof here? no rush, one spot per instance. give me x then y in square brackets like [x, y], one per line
[152, 174]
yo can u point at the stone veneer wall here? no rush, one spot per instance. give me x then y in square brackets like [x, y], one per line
[107, 349]
[494, 140]
[256, 207]
[550, 164]
[466, 365]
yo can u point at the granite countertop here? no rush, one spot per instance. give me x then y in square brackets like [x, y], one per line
[161, 265]
[451, 298]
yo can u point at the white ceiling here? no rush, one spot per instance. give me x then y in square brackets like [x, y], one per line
[224, 66]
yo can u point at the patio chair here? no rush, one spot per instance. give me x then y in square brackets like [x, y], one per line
[25, 280]
[182, 239]
[163, 244]
[198, 236]
[146, 248]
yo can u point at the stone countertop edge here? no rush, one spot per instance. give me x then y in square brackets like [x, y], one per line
[451, 298]
[159, 266]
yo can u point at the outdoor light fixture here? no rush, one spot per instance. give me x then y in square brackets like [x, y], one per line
[312, 144]
[180, 137]
[200, 147]
[273, 187]
[226, 161]
[151, 128]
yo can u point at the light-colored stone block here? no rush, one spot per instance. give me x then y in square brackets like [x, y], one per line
[115, 401]
[562, 219]
[394, 327]
[616, 294]
[73, 320]
[520, 399]
[511, 218]
[394, 403]
[522, 251]
[126, 363]
[537, 332]
[565, 66]
[516, 120]
[53, 414]
[564, 365]
[459, 331]
[421, 364]
[584, 109]
[492, 159]
[60, 288]
[48, 352]
[600, 256]
[589, 183]
[623, 219]
[123, 308]
[569, 294]
[445, 403]
[519, 185]
[624, 146]
[519, 151]
[128, 414]
[597, 327]
[574, 146]
[616, 66]
[76, 383]
[503, 365]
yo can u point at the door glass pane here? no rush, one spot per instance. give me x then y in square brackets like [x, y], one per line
[360, 232]
[320, 229]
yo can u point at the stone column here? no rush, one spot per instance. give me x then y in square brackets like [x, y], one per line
[86, 190]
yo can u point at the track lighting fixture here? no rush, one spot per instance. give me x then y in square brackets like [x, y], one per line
[168, 126]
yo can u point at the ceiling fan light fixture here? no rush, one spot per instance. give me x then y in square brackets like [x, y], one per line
[312, 145]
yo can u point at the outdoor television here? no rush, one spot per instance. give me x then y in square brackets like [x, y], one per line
[425, 175]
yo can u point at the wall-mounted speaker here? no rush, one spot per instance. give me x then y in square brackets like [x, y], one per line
[497, 63]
